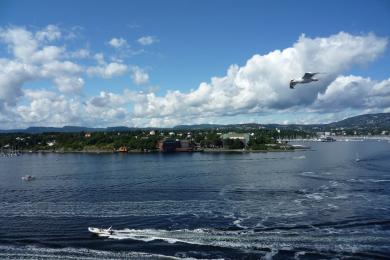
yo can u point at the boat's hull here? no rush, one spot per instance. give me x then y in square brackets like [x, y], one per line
[101, 232]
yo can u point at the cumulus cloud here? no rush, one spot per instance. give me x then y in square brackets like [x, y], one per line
[99, 57]
[50, 33]
[118, 42]
[257, 88]
[32, 59]
[139, 75]
[261, 85]
[107, 108]
[20, 42]
[354, 92]
[69, 84]
[106, 99]
[12, 76]
[108, 70]
[47, 107]
[44, 107]
[79, 54]
[147, 40]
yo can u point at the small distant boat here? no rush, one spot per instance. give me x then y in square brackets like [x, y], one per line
[102, 232]
[327, 139]
[300, 146]
[28, 178]
[357, 159]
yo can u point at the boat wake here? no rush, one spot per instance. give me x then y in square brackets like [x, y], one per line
[287, 239]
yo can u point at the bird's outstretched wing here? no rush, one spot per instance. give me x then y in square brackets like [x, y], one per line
[309, 75]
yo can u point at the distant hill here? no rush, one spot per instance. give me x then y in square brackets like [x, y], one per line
[380, 120]
[66, 129]
[200, 126]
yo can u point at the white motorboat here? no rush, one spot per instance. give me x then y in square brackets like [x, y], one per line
[102, 232]
[28, 178]
[357, 159]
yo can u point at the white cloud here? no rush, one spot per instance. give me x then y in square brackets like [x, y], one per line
[12, 76]
[118, 42]
[106, 99]
[99, 57]
[261, 85]
[45, 107]
[20, 41]
[147, 40]
[79, 54]
[50, 33]
[49, 108]
[69, 84]
[46, 54]
[353, 92]
[34, 60]
[257, 88]
[139, 75]
[108, 71]
[107, 109]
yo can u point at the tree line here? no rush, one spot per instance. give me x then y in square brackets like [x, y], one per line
[141, 140]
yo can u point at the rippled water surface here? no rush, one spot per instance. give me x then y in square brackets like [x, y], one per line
[319, 203]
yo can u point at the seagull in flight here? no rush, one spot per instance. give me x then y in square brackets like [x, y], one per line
[307, 78]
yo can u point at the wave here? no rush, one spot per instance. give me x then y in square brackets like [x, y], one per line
[299, 157]
[314, 175]
[114, 208]
[315, 196]
[368, 180]
[37, 252]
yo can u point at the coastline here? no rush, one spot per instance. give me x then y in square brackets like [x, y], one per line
[205, 150]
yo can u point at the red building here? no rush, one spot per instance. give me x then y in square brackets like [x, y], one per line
[175, 145]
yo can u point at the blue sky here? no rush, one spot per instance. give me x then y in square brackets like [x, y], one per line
[192, 42]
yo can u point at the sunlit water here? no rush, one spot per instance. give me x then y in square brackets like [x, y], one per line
[319, 203]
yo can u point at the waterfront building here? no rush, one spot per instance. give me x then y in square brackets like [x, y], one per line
[175, 145]
[243, 137]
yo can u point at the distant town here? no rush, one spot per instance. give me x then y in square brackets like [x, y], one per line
[150, 141]
[209, 138]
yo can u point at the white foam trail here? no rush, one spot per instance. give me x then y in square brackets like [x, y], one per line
[249, 239]
[315, 196]
[147, 235]
[307, 174]
[298, 255]
[293, 214]
[369, 180]
[270, 255]
[375, 180]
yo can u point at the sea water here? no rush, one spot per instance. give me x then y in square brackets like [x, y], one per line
[317, 203]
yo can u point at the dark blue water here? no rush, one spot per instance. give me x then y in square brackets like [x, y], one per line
[311, 204]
